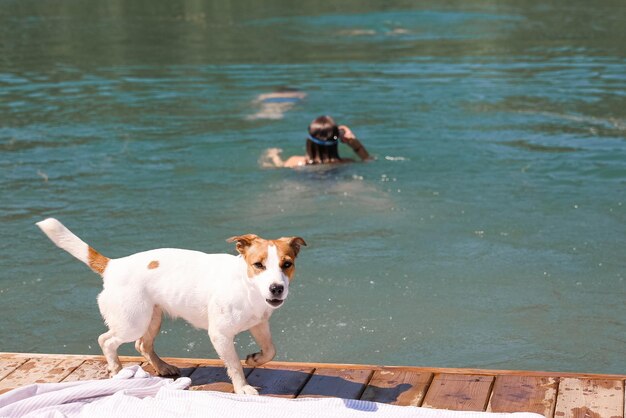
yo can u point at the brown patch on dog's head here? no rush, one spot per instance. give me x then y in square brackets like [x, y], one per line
[288, 249]
[293, 242]
[243, 242]
[153, 264]
[254, 250]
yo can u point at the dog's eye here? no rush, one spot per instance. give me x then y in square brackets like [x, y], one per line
[287, 264]
[259, 265]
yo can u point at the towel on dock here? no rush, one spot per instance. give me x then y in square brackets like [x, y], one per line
[133, 392]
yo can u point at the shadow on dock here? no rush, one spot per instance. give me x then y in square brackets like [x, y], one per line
[301, 382]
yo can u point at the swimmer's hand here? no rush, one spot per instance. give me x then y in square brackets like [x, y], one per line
[273, 152]
[271, 158]
[346, 134]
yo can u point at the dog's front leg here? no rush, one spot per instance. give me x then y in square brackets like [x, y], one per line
[225, 346]
[263, 337]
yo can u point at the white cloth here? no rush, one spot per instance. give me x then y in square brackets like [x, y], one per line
[134, 393]
[43, 400]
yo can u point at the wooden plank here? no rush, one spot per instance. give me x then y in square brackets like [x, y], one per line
[339, 383]
[459, 392]
[284, 382]
[9, 364]
[213, 377]
[47, 370]
[94, 370]
[588, 395]
[436, 370]
[524, 394]
[60, 371]
[595, 398]
[28, 373]
[397, 387]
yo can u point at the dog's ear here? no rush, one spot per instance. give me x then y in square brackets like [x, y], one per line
[243, 242]
[294, 242]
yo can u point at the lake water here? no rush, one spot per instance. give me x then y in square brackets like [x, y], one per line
[489, 232]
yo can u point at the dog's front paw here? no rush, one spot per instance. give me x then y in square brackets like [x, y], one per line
[246, 390]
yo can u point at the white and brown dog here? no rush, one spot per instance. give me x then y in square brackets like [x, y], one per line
[222, 293]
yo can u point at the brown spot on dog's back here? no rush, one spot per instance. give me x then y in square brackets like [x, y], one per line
[153, 264]
[97, 262]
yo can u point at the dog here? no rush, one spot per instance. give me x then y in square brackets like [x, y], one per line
[221, 293]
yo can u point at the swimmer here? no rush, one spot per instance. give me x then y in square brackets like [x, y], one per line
[321, 146]
[275, 104]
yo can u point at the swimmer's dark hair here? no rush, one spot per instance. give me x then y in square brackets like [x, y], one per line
[323, 128]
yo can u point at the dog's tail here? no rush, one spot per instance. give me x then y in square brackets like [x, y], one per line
[64, 238]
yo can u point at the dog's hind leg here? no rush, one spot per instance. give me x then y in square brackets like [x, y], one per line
[145, 346]
[128, 316]
[109, 344]
[263, 337]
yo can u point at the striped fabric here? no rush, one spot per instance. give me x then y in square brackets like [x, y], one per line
[69, 399]
[134, 393]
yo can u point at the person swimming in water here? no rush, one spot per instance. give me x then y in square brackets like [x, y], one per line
[275, 104]
[321, 146]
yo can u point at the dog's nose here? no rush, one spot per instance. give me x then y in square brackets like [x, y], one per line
[276, 289]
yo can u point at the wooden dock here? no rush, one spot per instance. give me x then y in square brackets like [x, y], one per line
[559, 395]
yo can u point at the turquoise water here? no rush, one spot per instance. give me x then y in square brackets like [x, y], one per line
[489, 232]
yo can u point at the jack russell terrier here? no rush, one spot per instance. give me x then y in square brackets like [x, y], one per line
[221, 293]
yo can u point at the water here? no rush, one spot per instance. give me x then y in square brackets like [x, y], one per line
[490, 231]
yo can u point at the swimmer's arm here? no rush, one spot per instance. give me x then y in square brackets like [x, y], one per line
[352, 141]
[272, 158]
[295, 161]
[359, 149]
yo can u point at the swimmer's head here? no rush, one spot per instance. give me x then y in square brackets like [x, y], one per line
[321, 144]
[324, 131]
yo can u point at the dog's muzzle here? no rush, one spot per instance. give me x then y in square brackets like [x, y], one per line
[277, 291]
[275, 303]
